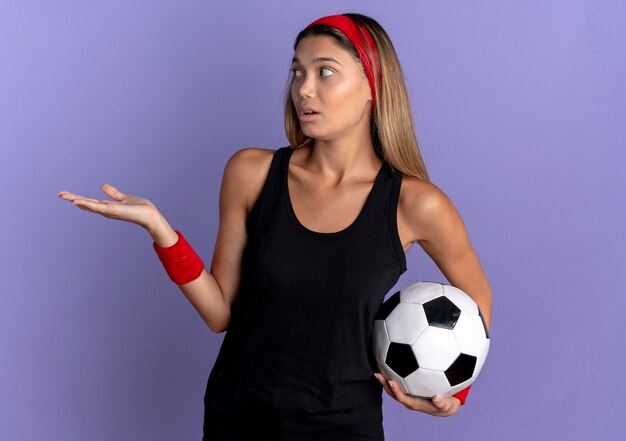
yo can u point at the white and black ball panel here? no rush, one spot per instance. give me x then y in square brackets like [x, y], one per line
[421, 292]
[380, 338]
[481, 358]
[401, 359]
[461, 369]
[459, 387]
[381, 346]
[441, 312]
[460, 299]
[436, 349]
[470, 334]
[389, 373]
[406, 322]
[425, 383]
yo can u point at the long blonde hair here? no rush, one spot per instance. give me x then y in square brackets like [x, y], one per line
[391, 124]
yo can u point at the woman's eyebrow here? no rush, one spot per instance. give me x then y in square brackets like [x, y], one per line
[317, 60]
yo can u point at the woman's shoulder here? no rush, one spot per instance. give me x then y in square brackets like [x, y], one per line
[249, 167]
[420, 204]
[247, 155]
[417, 193]
[253, 162]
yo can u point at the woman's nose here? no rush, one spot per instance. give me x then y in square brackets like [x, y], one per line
[307, 87]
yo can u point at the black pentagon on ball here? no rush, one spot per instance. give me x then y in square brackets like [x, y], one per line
[388, 306]
[461, 370]
[401, 359]
[442, 313]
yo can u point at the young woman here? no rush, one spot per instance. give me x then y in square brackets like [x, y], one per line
[311, 238]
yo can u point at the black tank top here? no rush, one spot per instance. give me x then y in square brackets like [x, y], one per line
[299, 338]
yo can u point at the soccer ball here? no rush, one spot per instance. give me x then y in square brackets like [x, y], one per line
[430, 338]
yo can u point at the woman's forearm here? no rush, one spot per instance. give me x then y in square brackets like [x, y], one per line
[203, 293]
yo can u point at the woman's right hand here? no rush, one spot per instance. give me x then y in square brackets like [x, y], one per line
[124, 207]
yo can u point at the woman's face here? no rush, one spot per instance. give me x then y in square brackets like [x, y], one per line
[329, 80]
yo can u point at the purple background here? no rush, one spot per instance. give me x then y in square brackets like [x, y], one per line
[519, 107]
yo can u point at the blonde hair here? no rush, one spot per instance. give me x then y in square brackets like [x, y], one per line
[391, 124]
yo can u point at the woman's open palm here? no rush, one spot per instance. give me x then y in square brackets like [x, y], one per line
[124, 207]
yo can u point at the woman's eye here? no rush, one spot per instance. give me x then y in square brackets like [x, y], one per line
[295, 71]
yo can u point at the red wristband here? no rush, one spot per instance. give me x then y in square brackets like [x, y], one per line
[461, 395]
[181, 262]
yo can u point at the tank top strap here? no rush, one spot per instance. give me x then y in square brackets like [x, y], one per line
[383, 215]
[392, 215]
[270, 195]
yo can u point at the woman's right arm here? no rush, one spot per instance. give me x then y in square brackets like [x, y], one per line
[213, 293]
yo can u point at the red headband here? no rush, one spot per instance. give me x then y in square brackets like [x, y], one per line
[351, 30]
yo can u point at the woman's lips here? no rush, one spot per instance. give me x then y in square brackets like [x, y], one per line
[308, 117]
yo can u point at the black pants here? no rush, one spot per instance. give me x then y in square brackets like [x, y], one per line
[264, 424]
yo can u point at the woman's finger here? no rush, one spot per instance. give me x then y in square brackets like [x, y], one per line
[409, 401]
[81, 199]
[83, 205]
[101, 207]
[443, 404]
[113, 192]
[68, 196]
[396, 393]
[385, 384]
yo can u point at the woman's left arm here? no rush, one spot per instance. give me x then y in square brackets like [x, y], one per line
[440, 231]
[434, 222]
